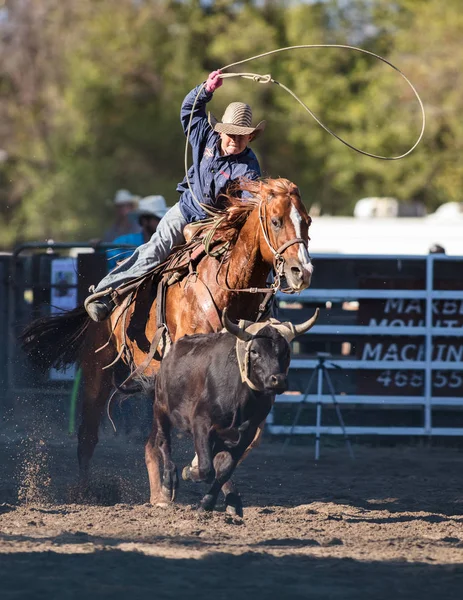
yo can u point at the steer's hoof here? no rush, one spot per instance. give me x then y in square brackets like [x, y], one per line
[186, 473]
[207, 503]
[234, 505]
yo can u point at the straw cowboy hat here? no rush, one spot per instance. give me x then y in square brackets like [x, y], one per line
[236, 120]
[152, 206]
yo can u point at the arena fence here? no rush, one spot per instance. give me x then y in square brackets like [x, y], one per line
[42, 278]
[390, 336]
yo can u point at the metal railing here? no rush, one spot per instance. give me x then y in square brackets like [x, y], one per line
[16, 289]
[427, 366]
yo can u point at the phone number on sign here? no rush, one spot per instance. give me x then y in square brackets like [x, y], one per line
[415, 379]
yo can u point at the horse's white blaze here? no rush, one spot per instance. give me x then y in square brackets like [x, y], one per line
[302, 253]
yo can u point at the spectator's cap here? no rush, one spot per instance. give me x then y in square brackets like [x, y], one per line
[153, 206]
[125, 197]
[237, 120]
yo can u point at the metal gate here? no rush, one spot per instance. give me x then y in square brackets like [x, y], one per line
[393, 329]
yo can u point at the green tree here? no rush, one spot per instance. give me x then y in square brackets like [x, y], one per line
[90, 93]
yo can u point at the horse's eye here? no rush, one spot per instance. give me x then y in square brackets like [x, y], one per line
[276, 222]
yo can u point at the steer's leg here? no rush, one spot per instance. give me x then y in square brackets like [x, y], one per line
[224, 464]
[201, 468]
[233, 502]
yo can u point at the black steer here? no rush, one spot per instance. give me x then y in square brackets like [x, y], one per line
[219, 387]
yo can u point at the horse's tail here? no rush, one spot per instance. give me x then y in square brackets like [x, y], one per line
[55, 341]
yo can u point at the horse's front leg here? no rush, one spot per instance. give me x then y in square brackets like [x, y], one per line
[163, 442]
[152, 461]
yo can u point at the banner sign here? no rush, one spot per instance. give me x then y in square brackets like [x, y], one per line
[63, 297]
[396, 313]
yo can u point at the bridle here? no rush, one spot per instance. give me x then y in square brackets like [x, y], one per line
[278, 259]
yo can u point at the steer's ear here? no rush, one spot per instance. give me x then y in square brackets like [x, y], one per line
[234, 329]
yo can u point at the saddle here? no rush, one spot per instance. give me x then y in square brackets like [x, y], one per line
[202, 239]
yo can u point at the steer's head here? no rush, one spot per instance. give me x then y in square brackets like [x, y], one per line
[264, 353]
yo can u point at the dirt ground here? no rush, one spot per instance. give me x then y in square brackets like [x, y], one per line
[387, 525]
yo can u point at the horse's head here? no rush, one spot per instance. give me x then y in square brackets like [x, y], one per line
[284, 231]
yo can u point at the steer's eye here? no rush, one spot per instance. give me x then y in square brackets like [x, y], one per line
[254, 353]
[276, 222]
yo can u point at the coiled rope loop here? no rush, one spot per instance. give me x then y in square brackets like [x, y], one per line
[268, 79]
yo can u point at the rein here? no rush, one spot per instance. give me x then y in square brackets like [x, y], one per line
[278, 260]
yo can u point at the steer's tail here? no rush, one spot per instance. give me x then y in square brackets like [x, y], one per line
[55, 341]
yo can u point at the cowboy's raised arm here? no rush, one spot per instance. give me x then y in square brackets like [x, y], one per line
[199, 120]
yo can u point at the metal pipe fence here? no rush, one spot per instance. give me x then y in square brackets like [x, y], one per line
[394, 324]
[423, 368]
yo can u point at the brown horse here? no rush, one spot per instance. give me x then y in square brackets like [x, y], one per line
[268, 229]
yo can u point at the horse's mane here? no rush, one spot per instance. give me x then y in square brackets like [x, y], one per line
[237, 209]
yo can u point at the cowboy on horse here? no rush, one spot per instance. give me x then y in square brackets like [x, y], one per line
[220, 156]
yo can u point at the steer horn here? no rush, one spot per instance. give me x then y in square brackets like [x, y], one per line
[234, 329]
[290, 331]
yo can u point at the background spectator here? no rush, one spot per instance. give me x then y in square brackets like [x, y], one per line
[125, 203]
[150, 211]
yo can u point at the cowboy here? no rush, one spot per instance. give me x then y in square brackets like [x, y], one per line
[150, 211]
[220, 156]
[124, 204]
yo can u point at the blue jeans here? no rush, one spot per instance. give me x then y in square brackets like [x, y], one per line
[168, 234]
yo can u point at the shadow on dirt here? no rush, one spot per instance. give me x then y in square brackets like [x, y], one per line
[117, 575]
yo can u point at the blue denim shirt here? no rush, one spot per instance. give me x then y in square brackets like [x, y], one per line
[210, 173]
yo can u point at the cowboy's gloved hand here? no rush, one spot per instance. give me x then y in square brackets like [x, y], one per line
[214, 81]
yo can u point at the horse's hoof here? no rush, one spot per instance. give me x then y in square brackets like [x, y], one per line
[159, 500]
[170, 485]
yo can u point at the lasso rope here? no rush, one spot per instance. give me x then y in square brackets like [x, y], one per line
[268, 79]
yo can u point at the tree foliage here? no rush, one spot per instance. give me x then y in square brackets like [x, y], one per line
[90, 93]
